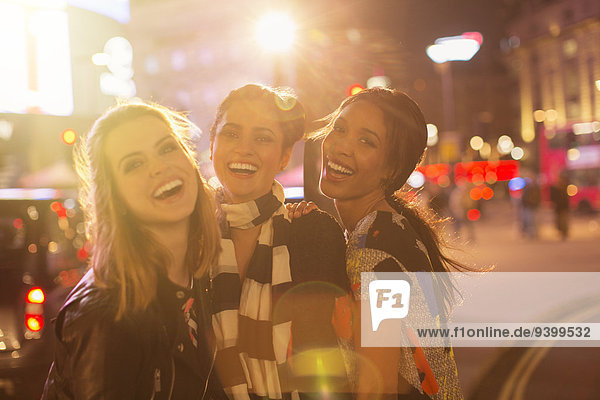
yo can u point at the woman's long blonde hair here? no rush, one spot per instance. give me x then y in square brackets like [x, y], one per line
[125, 256]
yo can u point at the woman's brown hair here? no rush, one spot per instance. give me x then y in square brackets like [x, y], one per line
[289, 111]
[125, 256]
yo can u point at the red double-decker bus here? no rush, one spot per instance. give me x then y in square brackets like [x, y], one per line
[573, 150]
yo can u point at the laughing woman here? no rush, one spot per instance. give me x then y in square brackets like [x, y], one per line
[371, 145]
[133, 328]
[276, 282]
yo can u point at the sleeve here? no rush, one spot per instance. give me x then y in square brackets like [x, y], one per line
[103, 356]
[317, 256]
[320, 250]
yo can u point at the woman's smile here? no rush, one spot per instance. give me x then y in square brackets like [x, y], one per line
[354, 153]
[247, 151]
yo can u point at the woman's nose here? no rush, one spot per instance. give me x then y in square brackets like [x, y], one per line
[244, 146]
[338, 145]
[157, 166]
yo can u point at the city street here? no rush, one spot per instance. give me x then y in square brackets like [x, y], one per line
[486, 111]
[531, 373]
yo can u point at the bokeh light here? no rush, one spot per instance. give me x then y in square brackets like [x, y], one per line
[354, 89]
[572, 190]
[416, 179]
[485, 151]
[539, 115]
[36, 296]
[491, 177]
[487, 193]
[444, 181]
[69, 136]
[517, 153]
[505, 144]
[432, 135]
[573, 154]
[517, 183]
[551, 115]
[476, 143]
[34, 323]
[473, 214]
[18, 223]
[475, 193]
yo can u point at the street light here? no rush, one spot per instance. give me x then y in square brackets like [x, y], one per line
[275, 33]
[454, 48]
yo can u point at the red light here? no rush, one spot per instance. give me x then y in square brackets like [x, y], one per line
[475, 193]
[516, 194]
[59, 209]
[82, 254]
[487, 193]
[476, 36]
[18, 223]
[34, 323]
[491, 177]
[354, 89]
[69, 136]
[478, 171]
[473, 214]
[36, 296]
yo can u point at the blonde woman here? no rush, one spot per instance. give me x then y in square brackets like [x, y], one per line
[134, 327]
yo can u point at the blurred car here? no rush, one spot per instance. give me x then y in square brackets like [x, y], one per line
[42, 256]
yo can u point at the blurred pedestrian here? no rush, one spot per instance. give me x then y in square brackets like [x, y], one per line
[531, 200]
[135, 326]
[460, 203]
[560, 200]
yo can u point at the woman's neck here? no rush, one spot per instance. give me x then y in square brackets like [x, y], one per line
[174, 237]
[351, 211]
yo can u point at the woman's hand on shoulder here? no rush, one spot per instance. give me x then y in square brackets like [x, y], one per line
[297, 210]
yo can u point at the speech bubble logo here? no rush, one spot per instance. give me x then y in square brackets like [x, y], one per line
[389, 299]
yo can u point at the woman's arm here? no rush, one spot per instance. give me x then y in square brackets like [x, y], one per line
[317, 256]
[377, 367]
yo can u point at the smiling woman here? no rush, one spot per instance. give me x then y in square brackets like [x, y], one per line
[371, 145]
[156, 181]
[277, 282]
[135, 326]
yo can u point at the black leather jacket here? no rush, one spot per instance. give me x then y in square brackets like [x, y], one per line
[141, 356]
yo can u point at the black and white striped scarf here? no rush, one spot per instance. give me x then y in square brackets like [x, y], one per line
[253, 342]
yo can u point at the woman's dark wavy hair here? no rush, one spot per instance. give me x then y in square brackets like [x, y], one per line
[406, 144]
[289, 111]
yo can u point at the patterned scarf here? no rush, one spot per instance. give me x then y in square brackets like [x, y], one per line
[252, 341]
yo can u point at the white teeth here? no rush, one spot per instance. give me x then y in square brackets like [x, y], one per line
[167, 186]
[339, 168]
[243, 166]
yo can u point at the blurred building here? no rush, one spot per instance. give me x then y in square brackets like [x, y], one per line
[50, 83]
[554, 48]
